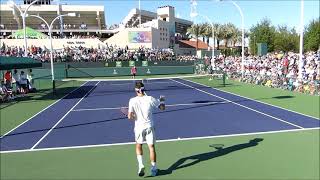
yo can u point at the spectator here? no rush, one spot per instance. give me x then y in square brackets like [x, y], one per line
[16, 81]
[5, 93]
[30, 79]
[8, 79]
[23, 83]
[133, 72]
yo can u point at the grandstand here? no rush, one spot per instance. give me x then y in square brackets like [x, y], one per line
[132, 19]
[157, 30]
[90, 21]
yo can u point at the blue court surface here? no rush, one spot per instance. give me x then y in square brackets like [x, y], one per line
[91, 116]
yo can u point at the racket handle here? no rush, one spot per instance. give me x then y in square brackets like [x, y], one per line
[162, 98]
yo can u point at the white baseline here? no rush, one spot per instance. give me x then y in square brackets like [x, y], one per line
[160, 141]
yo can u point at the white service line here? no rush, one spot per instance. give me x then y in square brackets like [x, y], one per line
[145, 82]
[159, 141]
[65, 115]
[41, 111]
[167, 105]
[317, 118]
[240, 105]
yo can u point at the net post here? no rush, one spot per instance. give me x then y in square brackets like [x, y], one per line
[224, 79]
[53, 87]
[66, 67]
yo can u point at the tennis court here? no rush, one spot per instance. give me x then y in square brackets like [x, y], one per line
[90, 116]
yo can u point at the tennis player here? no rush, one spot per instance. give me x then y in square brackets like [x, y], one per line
[140, 109]
[133, 72]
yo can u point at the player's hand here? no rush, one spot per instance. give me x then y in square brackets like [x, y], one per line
[162, 98]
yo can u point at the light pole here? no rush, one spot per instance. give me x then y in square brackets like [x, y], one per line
[301, 40]
[254, 45]
[139, 14]
[23, 15]
[50, 37]
[242, 29]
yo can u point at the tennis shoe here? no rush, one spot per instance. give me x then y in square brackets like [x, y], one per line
[154, 171]
[141, 171]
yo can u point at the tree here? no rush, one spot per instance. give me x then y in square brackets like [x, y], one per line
[226, 33]
[286, 40]
[207, 32]
[219, 35]
[196, 31]
[235, 35]
[216, 27]
[312, 36]
[263, 32]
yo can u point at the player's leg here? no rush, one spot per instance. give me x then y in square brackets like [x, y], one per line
[150, 138]
[139, 152]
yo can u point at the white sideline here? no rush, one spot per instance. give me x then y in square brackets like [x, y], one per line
[167, 105]
[160, 141]
[317, 118]
[41, 111]
[64, 116]
[240, 105]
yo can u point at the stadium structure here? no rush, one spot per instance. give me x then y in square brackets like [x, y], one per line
[140, 28]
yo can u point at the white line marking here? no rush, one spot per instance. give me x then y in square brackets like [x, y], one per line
[317, 118]
[148, 79]
[167, 105]
[64, 116]
[241, 105]
[145, 82]
[41, 111]
[159, 141]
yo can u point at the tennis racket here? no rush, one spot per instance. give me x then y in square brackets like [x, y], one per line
[124, 111]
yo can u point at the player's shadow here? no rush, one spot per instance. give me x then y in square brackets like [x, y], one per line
[198, 158]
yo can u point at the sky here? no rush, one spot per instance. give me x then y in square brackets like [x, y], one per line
[280, 12]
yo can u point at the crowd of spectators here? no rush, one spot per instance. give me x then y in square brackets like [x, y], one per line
[82, 54]
[16, 84]
[275, 70]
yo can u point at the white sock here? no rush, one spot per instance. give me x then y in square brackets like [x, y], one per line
[140, 161]
[153, 164]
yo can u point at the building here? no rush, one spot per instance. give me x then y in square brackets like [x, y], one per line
[157, 30]
[90, 20]
[37, 3]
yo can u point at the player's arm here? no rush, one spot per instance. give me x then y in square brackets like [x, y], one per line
[131, 114]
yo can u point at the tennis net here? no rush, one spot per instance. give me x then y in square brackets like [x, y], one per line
[124, 84]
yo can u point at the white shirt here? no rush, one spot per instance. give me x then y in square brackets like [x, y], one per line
[16, 77]
[143, 106]
[23, 79]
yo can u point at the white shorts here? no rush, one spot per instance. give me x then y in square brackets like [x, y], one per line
[145, 135]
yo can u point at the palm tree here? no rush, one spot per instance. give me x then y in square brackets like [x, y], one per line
[219, 34]
[207, 32]
[195, 30]
[216, 30]
[226, 33]
[235, 35]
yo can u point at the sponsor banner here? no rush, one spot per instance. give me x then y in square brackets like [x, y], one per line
[144, 63]
[139, 36]
[132, 63]
[118, 64]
